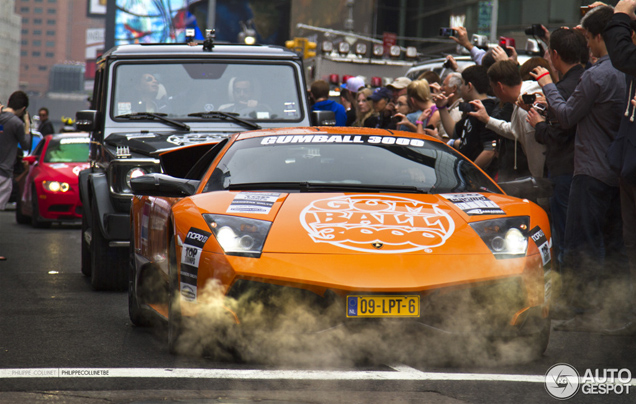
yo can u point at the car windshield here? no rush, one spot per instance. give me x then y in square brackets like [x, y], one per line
[256, 92]
[67, 150]
[356, 162]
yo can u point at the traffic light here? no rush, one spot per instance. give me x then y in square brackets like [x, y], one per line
[310, 49]
[302, 47]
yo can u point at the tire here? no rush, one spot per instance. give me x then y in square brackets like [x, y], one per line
[20, 218]
[138, 316]
[36, 219]
[175, 320]
[109, 266]
[86, 248]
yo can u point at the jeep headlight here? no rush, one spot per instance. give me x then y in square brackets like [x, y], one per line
[505, 237]
[121, 171]
[239, 235]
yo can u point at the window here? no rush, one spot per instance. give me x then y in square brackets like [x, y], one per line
[51, 11]
[50, 33]
[36, 54]
[24, 9]
[25, 31]
[50, 22]
[37, 42]
[38, 10]
[42, 68]
[37, 32]
[37, 21]
[49, 54]
[50, 44]
[23, 53]
[25, 42]
[25, 20]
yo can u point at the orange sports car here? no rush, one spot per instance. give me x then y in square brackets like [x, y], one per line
[355, 225]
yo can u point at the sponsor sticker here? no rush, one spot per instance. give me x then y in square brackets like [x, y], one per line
[375, 140]
[377, 223]
[190, 259]
[124, 108]
[253, 202]
[539, 238]
[474, 204]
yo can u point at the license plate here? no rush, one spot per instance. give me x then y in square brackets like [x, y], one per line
[383, 306]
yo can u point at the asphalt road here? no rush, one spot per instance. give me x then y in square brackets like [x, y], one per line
[62, 342]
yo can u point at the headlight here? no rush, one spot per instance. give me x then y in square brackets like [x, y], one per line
[506, 237]
[134, 173]
[55, 186]
[239, 235]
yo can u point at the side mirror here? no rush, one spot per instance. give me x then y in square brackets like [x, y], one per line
[155, 184]
[30, 159]
[323, 118]
[86, 121]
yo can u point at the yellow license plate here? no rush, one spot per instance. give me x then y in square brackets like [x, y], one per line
[383, 306]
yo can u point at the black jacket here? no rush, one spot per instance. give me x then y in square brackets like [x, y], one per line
[559, 155]
[622, 53]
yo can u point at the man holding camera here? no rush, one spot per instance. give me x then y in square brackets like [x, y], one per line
[470, 136]
[507, 85]
[566, 46]
[594, 107]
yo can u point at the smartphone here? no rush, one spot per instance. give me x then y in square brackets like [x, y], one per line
[447, 32]
[466, 107]
[529, 99]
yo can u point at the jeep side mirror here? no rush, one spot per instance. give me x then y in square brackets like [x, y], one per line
[86, 121]
[323, 118]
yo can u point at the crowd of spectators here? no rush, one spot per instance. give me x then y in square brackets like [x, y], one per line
[564, 120]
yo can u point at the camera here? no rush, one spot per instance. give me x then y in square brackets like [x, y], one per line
[447, 64]
[505, 42]
[540, 108]
[480, 41]
[466, 107]
[535, 30]
[529, 99]
[446, 32]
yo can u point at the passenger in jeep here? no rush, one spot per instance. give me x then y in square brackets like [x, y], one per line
[151, 95]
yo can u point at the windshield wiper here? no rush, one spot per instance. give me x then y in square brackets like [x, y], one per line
[325, 187]
[226, 115]
[155, 115]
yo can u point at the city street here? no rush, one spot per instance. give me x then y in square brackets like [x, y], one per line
[62, 340]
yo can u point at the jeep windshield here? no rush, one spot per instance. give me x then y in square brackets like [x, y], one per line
[181, 91]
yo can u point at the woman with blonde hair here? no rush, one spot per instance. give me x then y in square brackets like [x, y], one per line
[365, 114]
[426, 115]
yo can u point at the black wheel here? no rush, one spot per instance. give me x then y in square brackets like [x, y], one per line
[86, 248]
[138, 316]
[108, 264]
[36, 219]
[175, 321]
[19, 216]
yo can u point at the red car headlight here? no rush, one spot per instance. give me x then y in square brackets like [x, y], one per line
[56, 186]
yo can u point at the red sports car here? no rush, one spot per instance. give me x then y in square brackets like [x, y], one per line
[49, 193]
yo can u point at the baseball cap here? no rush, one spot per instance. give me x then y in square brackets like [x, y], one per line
[380, 93]
[400, 83]
[354, 84]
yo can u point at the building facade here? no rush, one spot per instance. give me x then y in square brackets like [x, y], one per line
[54, 32]
[9, 50]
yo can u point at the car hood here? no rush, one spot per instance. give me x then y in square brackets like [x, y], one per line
[66, 172]
[352, 223]
[148, 143]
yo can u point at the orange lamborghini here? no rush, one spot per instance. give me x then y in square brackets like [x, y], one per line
[359, 225]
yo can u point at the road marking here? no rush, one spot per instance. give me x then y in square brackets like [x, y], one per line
[398, 373]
